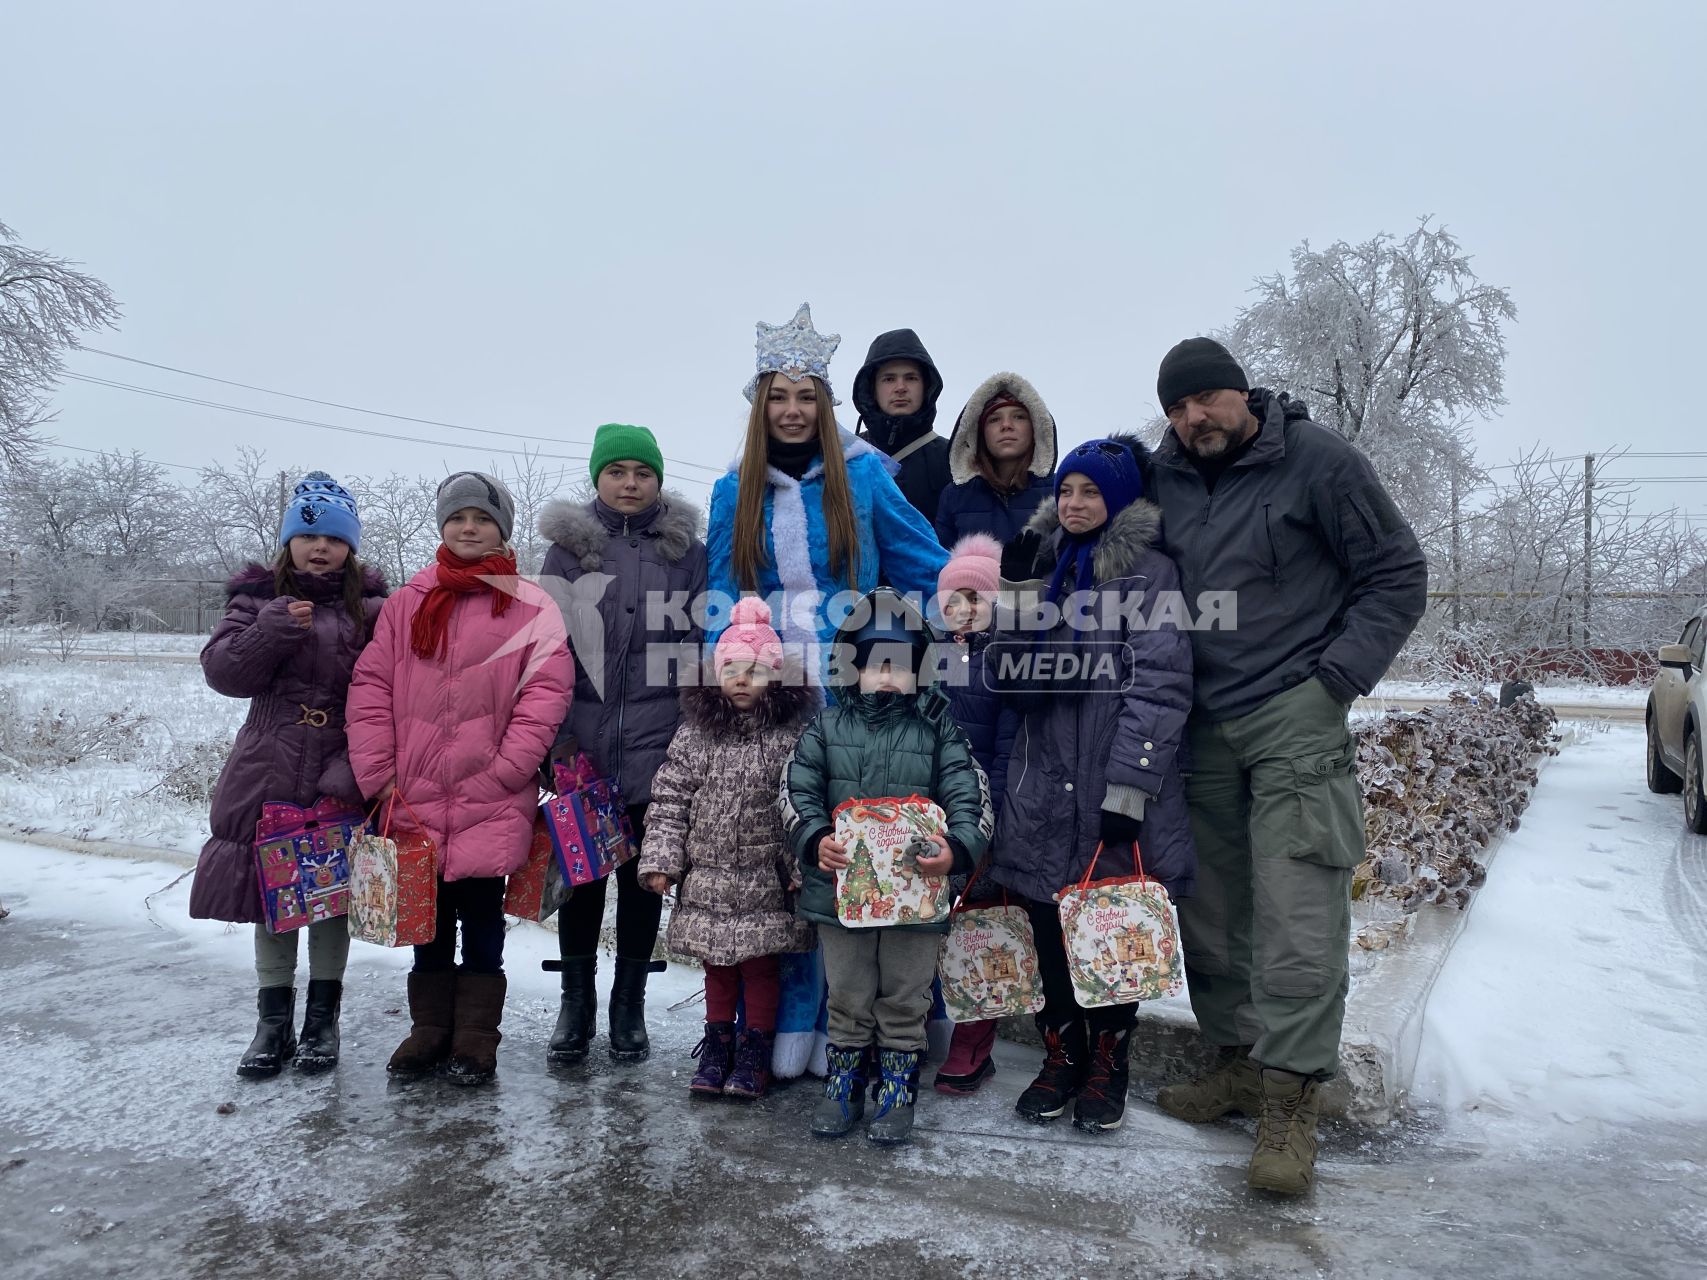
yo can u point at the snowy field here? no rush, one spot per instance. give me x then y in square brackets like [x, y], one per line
[1571, 695]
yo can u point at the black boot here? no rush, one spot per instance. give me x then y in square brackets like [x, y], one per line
[275, 1035]
[1102, 1102]
[573, 1035]
[628, 1042]
[319, 1048]
[1063, 1074]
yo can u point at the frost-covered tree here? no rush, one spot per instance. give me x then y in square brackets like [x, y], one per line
[239, 508]
[1393, 343]
[399, 523]
[45, 302]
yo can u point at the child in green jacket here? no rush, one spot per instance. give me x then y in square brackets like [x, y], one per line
[884, 737]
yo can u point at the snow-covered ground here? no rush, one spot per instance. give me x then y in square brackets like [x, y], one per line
[166, 710]
[1576, 992]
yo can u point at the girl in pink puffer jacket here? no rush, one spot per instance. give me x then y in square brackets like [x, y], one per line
[453, 705]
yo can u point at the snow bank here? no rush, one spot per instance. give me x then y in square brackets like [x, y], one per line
[1576, 991]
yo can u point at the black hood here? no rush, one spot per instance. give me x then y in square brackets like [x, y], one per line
[888, 433]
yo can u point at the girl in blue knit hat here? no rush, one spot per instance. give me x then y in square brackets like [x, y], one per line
[288, 643]
[1096, 762]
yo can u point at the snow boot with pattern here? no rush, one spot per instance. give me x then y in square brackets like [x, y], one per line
[843, 1102]
[896, 1094]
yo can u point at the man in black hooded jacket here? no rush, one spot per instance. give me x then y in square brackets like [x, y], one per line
[897, 414]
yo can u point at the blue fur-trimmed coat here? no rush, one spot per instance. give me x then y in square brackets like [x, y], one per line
[896, 543]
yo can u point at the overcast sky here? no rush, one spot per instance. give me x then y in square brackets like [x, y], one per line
[539, 217]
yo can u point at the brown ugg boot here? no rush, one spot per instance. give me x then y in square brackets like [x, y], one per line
[432, 1007]
[474, 1044]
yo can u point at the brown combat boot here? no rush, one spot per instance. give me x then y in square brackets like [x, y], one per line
[1233, 1084]
[1285, 1159]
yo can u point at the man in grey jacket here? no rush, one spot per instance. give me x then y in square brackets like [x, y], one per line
[1326, 581]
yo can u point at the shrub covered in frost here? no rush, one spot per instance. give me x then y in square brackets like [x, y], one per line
[1438, 785]
[45, 737]
[191, 770]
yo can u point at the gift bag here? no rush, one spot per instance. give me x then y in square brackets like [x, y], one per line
[988, 961]
[882, 884]
[302, 859]
[588, 823]
[537, 890]
[394, 883]
[1121, 937]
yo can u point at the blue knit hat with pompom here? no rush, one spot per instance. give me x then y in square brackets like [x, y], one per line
[320, 505]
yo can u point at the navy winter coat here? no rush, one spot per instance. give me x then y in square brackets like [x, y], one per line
[977, 707]
[608, 568]
[1119, 744]
[971, 504]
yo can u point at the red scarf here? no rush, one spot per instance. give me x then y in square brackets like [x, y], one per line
[429, 633]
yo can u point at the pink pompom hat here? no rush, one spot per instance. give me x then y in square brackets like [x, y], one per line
[749, 637]
[974, 564]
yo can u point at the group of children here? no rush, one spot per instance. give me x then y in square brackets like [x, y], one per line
[452, 695]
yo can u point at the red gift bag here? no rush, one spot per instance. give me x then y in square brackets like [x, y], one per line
[537, 890]
[394, 883]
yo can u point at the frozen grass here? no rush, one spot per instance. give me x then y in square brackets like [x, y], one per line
[118, 795]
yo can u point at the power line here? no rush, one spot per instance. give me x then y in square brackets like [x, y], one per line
[353, 408]
[77, 448]
[332, 426]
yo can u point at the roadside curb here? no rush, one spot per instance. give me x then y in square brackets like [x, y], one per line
[98, 848]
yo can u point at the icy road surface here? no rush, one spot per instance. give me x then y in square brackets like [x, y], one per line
[1562, 1134]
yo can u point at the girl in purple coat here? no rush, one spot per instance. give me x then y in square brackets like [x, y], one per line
[288, 643]
[1097, 760]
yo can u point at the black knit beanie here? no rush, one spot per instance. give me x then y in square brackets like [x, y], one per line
[1197, 364]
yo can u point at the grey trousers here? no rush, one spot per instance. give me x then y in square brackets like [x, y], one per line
[328, 952]
[880, 985]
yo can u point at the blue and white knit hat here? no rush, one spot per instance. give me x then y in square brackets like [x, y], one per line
[796, 350]
[320, 505]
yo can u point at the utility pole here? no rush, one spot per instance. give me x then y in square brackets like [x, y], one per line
[1457, 582]
[1588, 540]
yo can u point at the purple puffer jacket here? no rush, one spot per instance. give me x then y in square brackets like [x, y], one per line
[1118, 745]
[286, 750]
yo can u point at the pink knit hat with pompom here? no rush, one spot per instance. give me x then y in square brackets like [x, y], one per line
[749, 637]
[975, 564]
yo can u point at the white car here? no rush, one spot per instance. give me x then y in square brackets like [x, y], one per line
[1677, 722]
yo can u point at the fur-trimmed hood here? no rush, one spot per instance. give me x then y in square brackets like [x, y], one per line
[257, 580]
[1132, 532]
[963, 446]
[787, 702]
[576, 527]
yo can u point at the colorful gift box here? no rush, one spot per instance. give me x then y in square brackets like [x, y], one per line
[588, 823]
[302, 859]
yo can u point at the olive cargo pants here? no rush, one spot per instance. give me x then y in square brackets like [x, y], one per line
[1277, 816]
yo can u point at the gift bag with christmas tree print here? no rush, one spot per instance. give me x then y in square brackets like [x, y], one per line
[1121, 937]
[882, 884]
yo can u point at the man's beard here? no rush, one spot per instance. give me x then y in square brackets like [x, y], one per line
[1211, 444]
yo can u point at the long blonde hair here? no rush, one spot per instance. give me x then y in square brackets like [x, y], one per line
[749, 536]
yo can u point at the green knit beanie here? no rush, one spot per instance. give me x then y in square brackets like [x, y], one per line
[619, 442]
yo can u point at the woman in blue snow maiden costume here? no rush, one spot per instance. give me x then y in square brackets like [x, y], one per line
[810, 518]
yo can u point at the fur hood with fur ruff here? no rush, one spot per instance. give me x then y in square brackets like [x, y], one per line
[576, 527]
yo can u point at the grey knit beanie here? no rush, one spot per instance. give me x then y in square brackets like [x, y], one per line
[478, 490]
